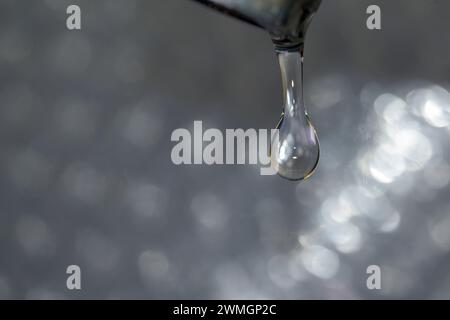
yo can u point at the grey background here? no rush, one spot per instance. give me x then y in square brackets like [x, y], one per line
[86, 176]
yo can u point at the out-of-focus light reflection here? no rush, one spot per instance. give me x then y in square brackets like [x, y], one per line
[34, 236]
[143, 125]
[391, 222]
[337, 209]
[98, 251]
[432, 104]
[415, 148]
[279, 273]
[84, 183]
[146, 199]
[345, 236]
[153, 266]
[320, 261]
[400, 148]
[329, 91]
[440, 232]
[74, 119]
[437, 174]
[296, 269]
[385, 164]
[390, 107]
[272, 227]
[400, 144]
[233, 282]
[209, 211]
[402, 186]
[435, 114]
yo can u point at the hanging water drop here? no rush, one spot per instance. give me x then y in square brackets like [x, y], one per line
[295, 150]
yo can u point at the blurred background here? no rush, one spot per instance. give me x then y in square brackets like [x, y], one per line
[86, 176]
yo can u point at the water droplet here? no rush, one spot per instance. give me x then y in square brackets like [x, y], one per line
[295, 150]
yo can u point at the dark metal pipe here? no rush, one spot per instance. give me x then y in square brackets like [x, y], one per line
[285, 20]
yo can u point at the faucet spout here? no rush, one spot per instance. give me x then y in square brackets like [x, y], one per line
[285, 20]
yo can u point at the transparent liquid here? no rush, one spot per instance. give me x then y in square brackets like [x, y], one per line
[295, 150]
